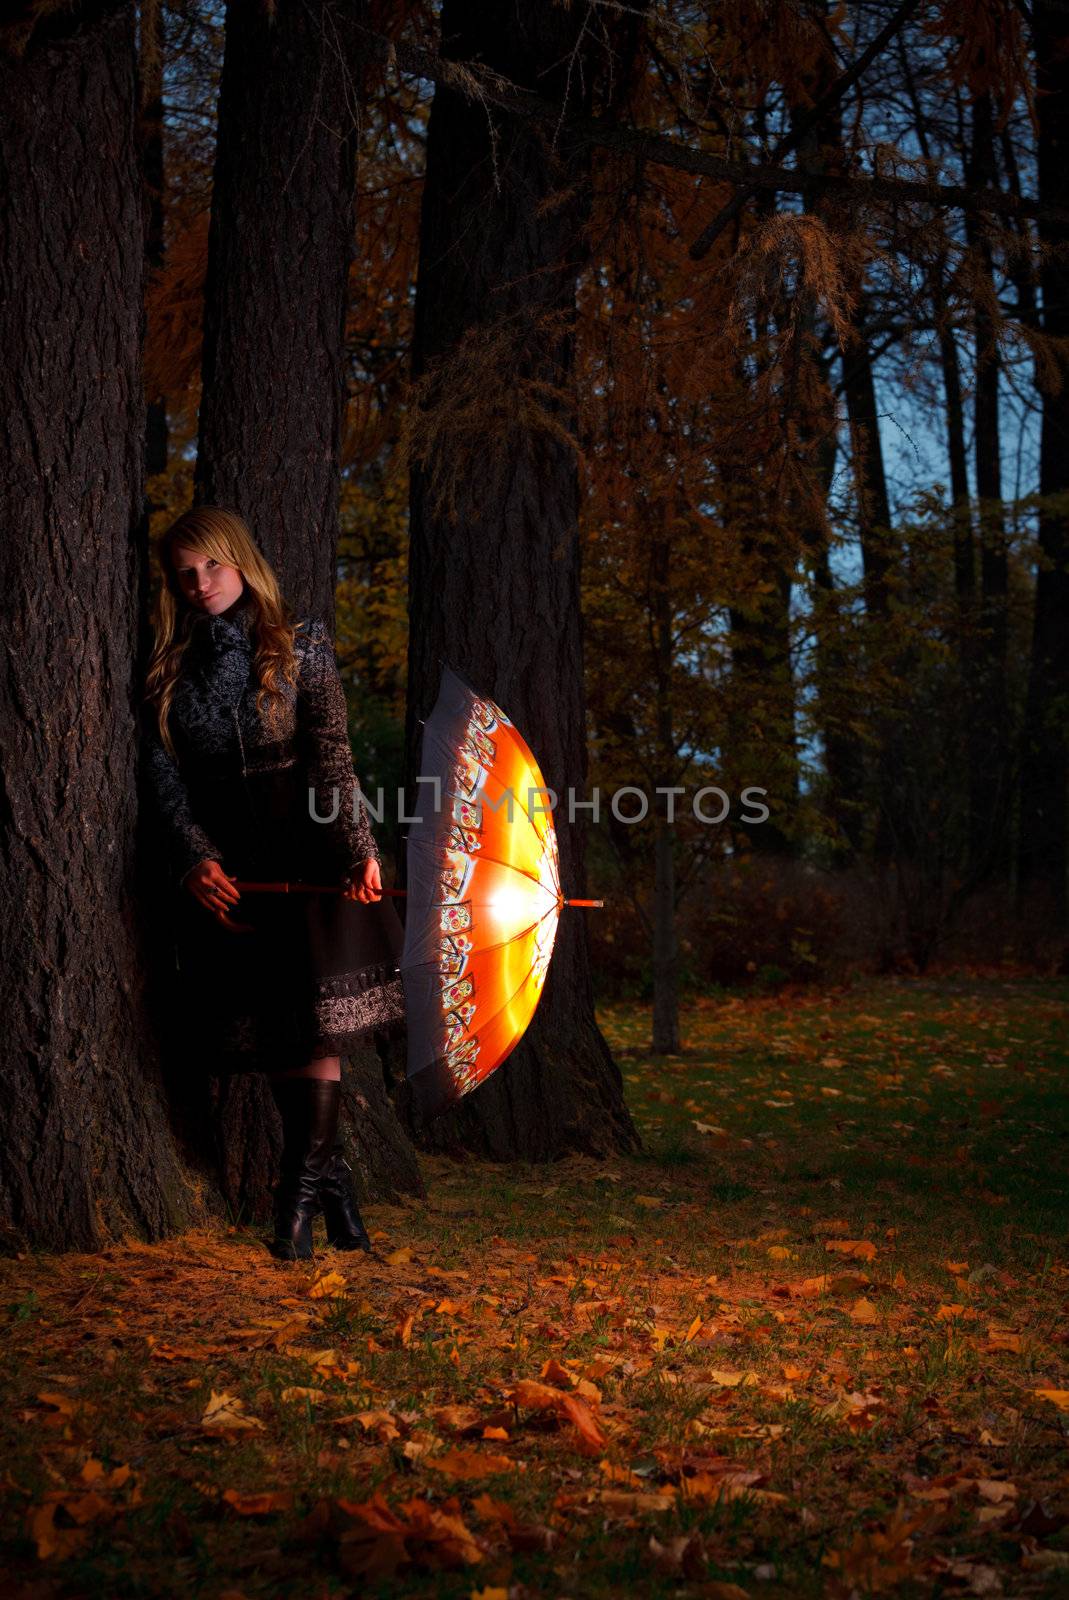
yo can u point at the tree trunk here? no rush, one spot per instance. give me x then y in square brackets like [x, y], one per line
[821, 148]
[279, 247]
[87, 1154]
[990, 750]
[873, 504]
[152, 171]
[273, 398]
[1042, 853]
[761, 669]
[665, 944]
[494, 588]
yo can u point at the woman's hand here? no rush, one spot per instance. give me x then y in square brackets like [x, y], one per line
[364, 883]
[209, 885]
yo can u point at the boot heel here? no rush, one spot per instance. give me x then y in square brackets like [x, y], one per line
[308, 1108]
[345, 1227]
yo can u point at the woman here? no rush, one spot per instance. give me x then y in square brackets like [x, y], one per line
[245, 738]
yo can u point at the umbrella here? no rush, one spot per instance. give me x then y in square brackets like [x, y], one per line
[484, 896]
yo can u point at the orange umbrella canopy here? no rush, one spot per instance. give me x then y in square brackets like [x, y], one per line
[484, 896]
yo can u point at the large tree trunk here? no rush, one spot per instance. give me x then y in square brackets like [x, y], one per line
[87, 1154]
[1042, 852]
[279, 247]
[273, 398]
[152, 169]
[494, 588]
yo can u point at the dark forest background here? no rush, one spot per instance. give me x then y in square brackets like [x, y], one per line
[690, 378]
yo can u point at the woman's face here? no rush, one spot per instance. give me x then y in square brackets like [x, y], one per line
[207, 584]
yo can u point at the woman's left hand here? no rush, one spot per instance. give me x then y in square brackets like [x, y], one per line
[364, 883]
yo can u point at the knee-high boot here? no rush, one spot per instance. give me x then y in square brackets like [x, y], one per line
[345, 1228]
[309, 1111]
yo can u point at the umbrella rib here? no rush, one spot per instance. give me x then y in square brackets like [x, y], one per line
[489, 773]
[523, 872]
[494, 1015]
[484, 948]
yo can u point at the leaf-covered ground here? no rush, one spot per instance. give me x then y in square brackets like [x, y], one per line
[814, 1341]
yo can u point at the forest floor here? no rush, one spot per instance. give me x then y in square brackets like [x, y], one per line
[813, 1341]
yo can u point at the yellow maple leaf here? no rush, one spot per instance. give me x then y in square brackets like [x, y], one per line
[328, 1286]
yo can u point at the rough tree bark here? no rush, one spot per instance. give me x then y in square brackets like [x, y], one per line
[494, 589]
[1043, 857]
[273, 398]
[152, 170]
[87, 1154]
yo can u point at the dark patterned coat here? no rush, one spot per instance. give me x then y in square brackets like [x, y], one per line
[318, 973]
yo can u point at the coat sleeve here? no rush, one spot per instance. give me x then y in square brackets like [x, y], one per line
[323, 723]
[186, 842]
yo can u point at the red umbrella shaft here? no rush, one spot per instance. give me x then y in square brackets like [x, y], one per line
[333, 888]
[303, 888]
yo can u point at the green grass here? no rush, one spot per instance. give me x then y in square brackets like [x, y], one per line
[944, 1144]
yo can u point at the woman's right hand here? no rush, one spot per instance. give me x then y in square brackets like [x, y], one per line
[209, 884]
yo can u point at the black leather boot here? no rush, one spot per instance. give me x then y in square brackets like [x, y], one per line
[345, 1228]
[309, 1111]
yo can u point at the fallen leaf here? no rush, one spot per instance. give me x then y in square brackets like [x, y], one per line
[470, 1464]
[1004, 1339]
[224, 1414]
[541, 1397]
[329, 1286]
[458, 1419]
[258, 1505]
[863, 1249]
[381, 1423]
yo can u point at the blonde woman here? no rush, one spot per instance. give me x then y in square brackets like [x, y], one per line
[246, 749]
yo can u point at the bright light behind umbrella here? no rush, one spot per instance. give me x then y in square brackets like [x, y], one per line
[484, 897]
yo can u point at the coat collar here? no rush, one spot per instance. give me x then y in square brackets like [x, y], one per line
[228, 628]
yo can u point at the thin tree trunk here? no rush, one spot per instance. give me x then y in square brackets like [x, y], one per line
[665, 945]
[821, 150]
[1042, 851]
[763, 696]
[273, 397]
[873, 503]
[87, 1154]
[494, 588]
[988, 844]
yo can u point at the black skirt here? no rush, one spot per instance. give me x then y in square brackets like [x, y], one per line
[316, 975]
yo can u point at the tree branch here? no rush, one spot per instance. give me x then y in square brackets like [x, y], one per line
[809, 120]
[478, 82]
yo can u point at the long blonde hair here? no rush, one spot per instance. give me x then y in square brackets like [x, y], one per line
[223, 536]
